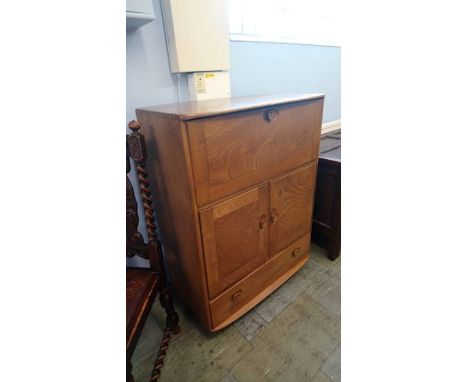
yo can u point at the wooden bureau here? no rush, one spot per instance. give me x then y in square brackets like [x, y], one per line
[234, 181]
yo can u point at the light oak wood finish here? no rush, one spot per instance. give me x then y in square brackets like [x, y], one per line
[291, 210]
[236, 180]
[235, 238]
[232, 152]
[237, 298]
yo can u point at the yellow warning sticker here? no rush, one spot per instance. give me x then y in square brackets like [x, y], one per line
[209, 75]
[200, 84]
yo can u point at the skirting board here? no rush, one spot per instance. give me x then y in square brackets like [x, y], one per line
[331, 126]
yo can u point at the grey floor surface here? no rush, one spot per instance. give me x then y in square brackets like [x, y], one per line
[293, 335]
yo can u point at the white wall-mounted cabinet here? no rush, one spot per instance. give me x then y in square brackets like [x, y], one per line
[139, 13]
[197, 33]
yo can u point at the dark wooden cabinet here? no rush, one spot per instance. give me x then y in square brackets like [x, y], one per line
[327, 209]
[235, 181]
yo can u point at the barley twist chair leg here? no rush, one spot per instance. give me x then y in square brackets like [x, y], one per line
[129, 372]
[167, 302]
[172, 327]
[159, 362]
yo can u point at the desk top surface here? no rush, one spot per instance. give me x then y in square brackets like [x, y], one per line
[208, 108]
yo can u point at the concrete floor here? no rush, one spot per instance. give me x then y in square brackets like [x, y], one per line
[294, 335]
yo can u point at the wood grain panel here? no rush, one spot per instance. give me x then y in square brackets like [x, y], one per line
[291, 201]
[238, 150]
[237, 300]
[212, 165]
[235, 203]
[234, 238]
[171, 179]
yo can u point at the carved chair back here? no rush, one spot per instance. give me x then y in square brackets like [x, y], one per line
[136, 245]
[152, 251]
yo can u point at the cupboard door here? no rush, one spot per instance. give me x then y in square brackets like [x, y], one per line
[291, 201]
[235, 238]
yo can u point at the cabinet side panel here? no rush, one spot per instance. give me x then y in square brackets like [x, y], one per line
[171, 180]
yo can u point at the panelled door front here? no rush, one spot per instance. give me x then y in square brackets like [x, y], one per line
[291, 207]
[238, 150]
[235, 238]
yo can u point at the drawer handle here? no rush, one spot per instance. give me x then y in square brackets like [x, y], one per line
[263, 222]
[274, 216]
[271, 115]
[235, 296]
[296, 252]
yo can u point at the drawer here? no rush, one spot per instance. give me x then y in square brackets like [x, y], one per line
[238, 150]
[238, 299]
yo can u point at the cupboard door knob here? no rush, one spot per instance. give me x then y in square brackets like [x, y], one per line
[271, 115]
[274, 216]
[235, 296]
[263, 222]
[296, 252]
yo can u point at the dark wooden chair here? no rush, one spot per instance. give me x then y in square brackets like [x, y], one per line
[144, 284]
